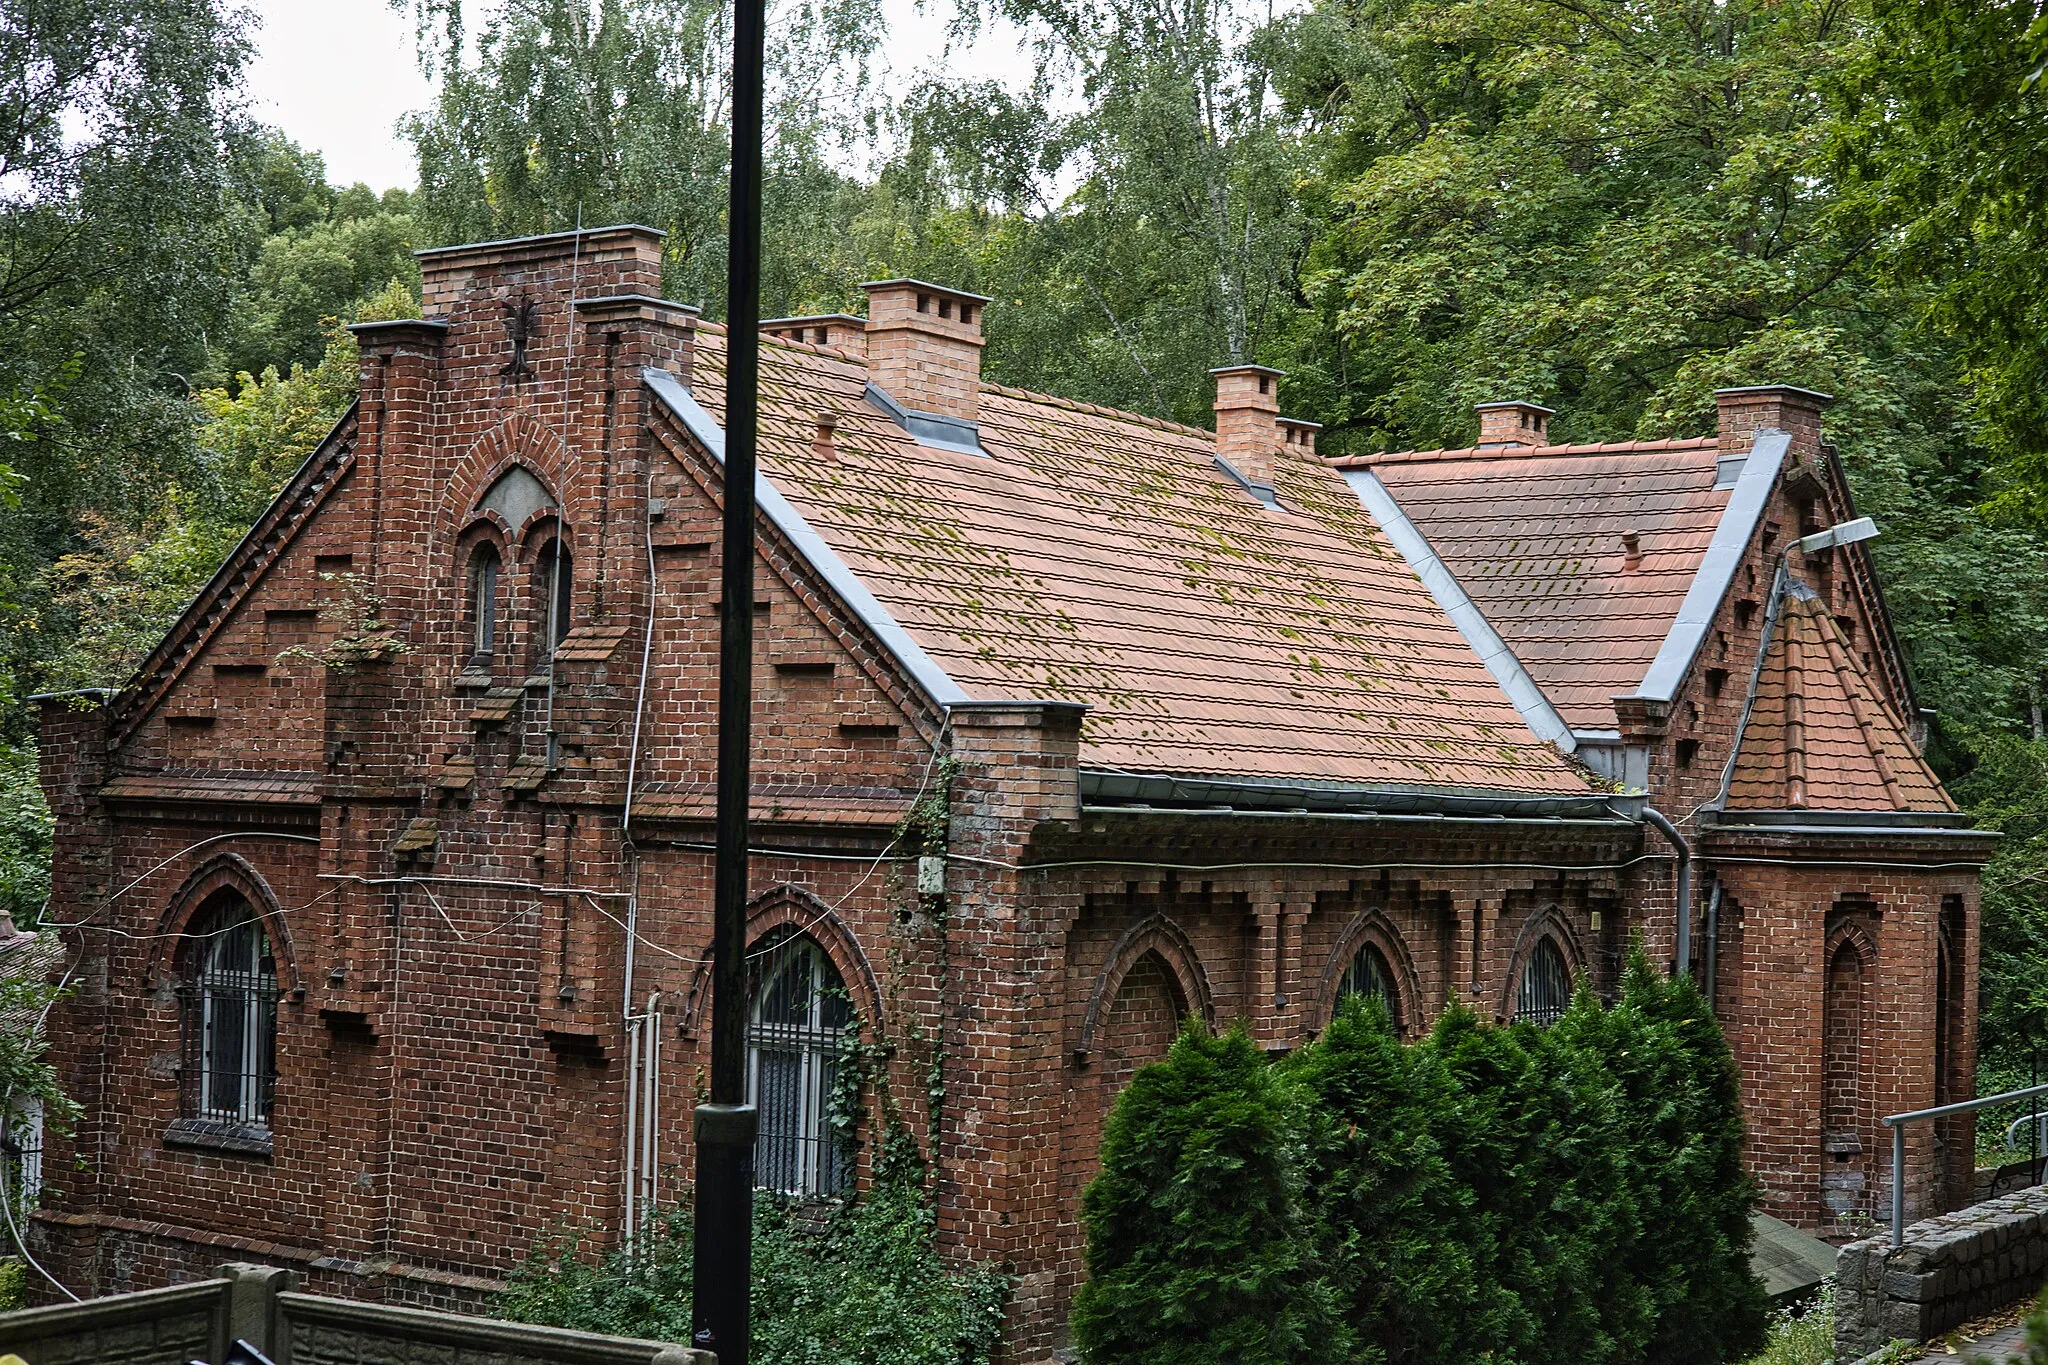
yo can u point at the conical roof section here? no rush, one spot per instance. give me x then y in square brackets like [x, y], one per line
[1820, 736]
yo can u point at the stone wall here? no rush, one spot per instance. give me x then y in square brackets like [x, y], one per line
[255, 1304]
[1949, 1271]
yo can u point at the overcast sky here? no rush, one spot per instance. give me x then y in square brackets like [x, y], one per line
[336, 75]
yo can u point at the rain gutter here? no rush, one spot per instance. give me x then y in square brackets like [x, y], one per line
[1244, 795]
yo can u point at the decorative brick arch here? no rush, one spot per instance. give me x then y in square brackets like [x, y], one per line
[201, 887]
[1372, 926]
[1548, 922]
[794, 907]
[520, 439]
[1155, 934]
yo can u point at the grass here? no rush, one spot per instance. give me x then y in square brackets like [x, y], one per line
[1803, 1334]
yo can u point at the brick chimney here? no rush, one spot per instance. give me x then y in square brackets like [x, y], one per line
[1298, 435]
[1741, 413]
[1513, 424]
[924, 346]
[1248, 421]
[820, 329]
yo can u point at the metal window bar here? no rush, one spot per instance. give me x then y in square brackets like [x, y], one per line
[797, 1013]
[21, 1156]
[229, 998]
[1897, 1123]
[1546, 989]
[1368, 974]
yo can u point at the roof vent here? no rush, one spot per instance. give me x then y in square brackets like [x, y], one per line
[1513, 424]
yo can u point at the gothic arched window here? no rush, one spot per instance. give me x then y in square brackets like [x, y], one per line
[1545, 992]
[552, 578]
[1370, 974]
[797, 1012]
[483, 603]
[230, 1015]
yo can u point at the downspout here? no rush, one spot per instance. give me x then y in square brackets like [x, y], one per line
[1713, 943]
[1682, 961]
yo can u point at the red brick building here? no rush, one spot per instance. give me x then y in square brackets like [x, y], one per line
[392, 916]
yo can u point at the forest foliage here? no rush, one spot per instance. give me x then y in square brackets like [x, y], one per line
[1610, 206]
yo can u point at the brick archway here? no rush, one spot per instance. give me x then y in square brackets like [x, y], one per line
[1158, 936]
[225, 872]
[1547, 923]
[793, 907]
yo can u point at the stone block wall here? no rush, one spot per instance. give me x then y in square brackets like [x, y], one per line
[1950, 1270]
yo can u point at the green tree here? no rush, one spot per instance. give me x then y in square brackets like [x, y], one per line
[1200, 1244]
[606, 111]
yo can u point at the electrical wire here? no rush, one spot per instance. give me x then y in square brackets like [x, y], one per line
[189, 848]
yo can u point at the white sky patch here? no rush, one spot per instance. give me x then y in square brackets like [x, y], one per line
[337, 75]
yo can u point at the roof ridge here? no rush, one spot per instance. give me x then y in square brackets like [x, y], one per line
[1519, 452]
[1098, 410]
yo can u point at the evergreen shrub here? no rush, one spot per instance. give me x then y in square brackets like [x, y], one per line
[1499, 1194]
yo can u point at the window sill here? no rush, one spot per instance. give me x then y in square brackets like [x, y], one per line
[220, 1135]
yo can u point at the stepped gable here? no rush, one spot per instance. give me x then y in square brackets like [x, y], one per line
[288, 512]
[1099, 557]
[1820, 737]
[1536, 536]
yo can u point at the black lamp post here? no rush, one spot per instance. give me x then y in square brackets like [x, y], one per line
[726, 1126]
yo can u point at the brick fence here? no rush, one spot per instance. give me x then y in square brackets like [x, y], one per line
[1949, 1271]
[256, 1304]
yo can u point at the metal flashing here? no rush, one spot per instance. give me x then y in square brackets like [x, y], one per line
[956, 434]
[1837, 821]
[1732, 534]
[1536, 711]
[1172, 790]
[1263, 492]
[429, 253]
[808, 543]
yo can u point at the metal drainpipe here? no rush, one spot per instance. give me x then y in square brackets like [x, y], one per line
[1682, 963]
[1713, 971]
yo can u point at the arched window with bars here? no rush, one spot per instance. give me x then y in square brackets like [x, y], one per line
[1369, 973]
[1545, 991]
[229, 1006]
[797, 1013]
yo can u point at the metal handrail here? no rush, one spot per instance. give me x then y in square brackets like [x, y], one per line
[1897, 1123]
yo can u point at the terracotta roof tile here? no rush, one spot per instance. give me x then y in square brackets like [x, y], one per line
[1535, 536]
[1105, 558]
[1820, 736]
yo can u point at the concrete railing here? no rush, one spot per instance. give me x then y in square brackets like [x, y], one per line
[255, 1304]
[1946, 1271]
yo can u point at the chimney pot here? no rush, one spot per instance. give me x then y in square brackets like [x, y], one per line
[1514, 423]
[1741, 413]
[924, 346]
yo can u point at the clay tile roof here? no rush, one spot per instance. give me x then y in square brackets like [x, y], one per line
[1820, 737]
[27, 957]
[1104, 558]
[1535, 536]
